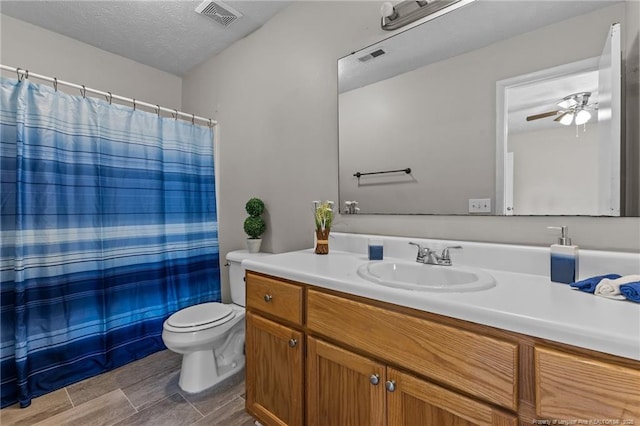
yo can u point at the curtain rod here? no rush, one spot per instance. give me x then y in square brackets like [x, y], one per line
[108, 95]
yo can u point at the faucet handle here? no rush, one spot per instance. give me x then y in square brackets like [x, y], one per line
[417, 245]
[445, 258]
[422, 251]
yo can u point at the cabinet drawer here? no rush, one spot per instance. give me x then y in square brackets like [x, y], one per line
[478, 365]
[274, 297]
[574, 387]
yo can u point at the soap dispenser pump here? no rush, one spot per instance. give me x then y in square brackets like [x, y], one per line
[564, 258]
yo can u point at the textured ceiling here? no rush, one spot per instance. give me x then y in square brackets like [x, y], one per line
[167, 35]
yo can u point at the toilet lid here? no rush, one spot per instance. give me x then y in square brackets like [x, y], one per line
[202, 314]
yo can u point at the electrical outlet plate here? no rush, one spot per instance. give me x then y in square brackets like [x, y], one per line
[479, 205]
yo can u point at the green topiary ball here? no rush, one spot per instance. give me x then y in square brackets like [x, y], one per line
[255, 207]
[254, 226]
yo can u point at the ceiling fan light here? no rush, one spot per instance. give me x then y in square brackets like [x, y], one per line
[582, 117]
[567, 119]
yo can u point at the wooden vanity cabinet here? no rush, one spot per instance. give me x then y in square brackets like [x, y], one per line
[373, 363]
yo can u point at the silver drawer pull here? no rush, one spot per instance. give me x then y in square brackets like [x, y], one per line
[390, 385]
[374, 379]
[268, 297]
[293, 343]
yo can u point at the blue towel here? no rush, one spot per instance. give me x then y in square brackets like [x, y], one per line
[631, 291]
[589, 285]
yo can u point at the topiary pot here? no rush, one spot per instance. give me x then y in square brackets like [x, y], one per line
[253, 244]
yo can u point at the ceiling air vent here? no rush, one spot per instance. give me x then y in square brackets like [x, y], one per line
[219, 12]
[371, 55]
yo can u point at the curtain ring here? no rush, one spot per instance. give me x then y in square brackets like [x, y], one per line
[20, 75]
[193, 119]
[210, 123]
[134, 104]
[83, 92]
[55, 84]
[158, 110]
[109, 98]
[27, 74]
[176, 114]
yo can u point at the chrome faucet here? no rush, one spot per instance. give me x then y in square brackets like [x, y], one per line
[430, 257]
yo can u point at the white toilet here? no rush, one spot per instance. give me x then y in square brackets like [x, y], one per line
[210, 336]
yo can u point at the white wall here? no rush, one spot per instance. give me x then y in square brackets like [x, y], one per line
[555, 171]
[274, 94]
[32, 48]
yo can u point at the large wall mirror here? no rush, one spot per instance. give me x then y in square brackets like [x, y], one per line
[498, 107]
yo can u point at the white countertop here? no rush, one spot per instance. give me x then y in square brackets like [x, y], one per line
[523, 303]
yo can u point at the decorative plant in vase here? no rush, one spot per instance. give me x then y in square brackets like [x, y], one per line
[323, 218]
[254, 225]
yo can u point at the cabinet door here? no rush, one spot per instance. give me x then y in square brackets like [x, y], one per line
[412, 401]
[344, 389]
[274, 372]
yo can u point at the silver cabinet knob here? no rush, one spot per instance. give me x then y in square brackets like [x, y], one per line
[390, 385]
[268, 297]
[293, 343]
[374, 379]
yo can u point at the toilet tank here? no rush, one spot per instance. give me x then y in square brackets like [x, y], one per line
[236, 274]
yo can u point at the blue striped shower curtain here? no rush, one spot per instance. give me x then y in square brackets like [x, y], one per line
[108, 226]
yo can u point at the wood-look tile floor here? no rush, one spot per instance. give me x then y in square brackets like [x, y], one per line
[144, 392]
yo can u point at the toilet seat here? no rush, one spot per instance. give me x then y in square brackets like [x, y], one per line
[200, 317]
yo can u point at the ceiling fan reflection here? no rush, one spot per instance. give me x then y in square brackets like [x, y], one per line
[574, 109]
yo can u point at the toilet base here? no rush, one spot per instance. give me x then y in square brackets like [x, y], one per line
[209, 355]
[199, 371]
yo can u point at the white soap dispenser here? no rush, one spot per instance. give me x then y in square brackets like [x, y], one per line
[564, 258]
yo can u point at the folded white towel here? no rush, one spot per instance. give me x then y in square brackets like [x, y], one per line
[611, 288]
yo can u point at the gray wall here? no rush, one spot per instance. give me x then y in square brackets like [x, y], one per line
[569, 182]
[423, 123]
[29, 47]
[274, 94]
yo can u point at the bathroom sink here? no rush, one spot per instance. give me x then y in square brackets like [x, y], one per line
[421, 277]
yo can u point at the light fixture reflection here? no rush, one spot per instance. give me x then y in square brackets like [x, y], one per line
[399, 14]
[567, 119]
[582, 117]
